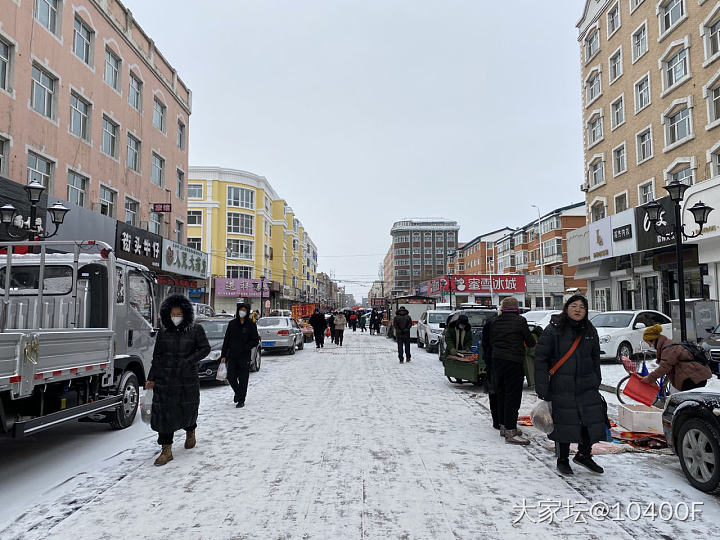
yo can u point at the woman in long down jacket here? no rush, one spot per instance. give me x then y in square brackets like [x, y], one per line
[173, 376]
[578, 410]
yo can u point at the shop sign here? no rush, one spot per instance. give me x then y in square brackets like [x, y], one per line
[196, 291]
[499, 283]
[183, 260]
[240, 287]
[162, 207]
[176, 282]
[622, 233]
[578, 246]
[647, 236]
[600, 239]
[138, 245]
[422, 289]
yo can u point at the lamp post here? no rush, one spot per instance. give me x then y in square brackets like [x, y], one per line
[32, 227]
[542, 258]
[700, 212]
[262, 287]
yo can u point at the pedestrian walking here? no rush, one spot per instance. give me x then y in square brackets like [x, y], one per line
[241, 338]
[331, 326]
[319, 324]
[509, 335]
[340, 322]
[486, 346]
[675, 361]
[567, 373]
[179, 346]
[373, 317]
[402, 324]
[353, 321]
[363, 322]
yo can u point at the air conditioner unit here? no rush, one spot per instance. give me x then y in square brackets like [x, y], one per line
[584, 186]
[632, 285]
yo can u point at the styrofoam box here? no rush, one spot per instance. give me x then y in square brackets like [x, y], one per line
[640, 418]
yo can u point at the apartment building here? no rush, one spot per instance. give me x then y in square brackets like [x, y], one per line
[253, 237]
[651, 111]
[478, 255]
[388, 271]
[420, 249]
[91, 109]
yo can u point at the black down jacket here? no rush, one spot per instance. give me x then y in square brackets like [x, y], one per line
[176, 396]
[240, 340]
[402, 323]
[574, 390]
[509, 335]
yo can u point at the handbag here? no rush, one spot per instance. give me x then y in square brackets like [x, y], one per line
[567, 355]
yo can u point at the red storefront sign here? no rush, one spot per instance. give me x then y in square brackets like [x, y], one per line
[496, 283]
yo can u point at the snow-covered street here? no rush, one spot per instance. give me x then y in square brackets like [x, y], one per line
[339, 443]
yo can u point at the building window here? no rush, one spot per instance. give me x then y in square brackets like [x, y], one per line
[4, 149]
[159, 114]
[617, 112]
[79, 116]
[592, 44]
[194, 217]
[671, 14]
[244, 272]
[683, 175]
[107, 201]
[133, 153]
[646, 192]
[594, 129]
[131, 212]
[616, 67]
[594, 88]
[644, 145]
[181, 135]
[642, 93]
[240, 249]
[158, 170]
[135, 93]
[195, 191]
[180, 184]
[613, 19]
[676, 69]
[639, 42]
[112, 70]
[194, 243]
[39, 170]
[621, 203]
[156, 223]
[597, 173]
[110, 137]
[46, 13]
[5, 50]
[238, 197]
[713, 98]
[76, 188]
[43, 91]
[678, 126]
[619, 160]
[597, 213]
[179, 231]
[82, 40]
[239, 223]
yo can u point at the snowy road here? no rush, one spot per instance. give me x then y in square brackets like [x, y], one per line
[340, 443]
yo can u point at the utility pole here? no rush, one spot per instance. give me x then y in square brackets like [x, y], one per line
[542, 259]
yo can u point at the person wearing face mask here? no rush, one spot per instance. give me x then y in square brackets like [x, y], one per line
[567, 373]
[241, 337]
[173, 376]
[458, 336]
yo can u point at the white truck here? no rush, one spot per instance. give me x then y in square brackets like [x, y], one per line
[416, 306]
[77, 329]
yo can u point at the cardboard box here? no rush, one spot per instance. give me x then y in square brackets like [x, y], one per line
[640, 418]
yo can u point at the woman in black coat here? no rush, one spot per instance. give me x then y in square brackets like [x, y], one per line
[578, 409]
[173, 376]
[241, 337]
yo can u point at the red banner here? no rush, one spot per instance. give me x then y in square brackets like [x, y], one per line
[497, 283]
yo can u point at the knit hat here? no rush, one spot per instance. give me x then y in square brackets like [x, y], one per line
[652, 333]
[509, 302]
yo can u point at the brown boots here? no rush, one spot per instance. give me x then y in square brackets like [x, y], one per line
[190, 439]
[165, 455]
[514, 436]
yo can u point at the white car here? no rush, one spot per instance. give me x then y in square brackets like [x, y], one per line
[621, 332]
[541, 317]
[428, 328]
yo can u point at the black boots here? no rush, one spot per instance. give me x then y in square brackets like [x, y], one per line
[563, 466]
[588, 463]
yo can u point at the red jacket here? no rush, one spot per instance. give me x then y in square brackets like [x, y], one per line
[673, 362]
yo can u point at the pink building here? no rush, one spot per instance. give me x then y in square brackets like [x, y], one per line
[92, 110]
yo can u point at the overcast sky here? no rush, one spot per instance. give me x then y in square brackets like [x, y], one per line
[364, 112]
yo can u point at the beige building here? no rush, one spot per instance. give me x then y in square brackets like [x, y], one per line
[92, 110]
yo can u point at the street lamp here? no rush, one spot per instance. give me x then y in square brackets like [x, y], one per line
[262, 287]
[700, 212]
[542, 258]
[26, 229]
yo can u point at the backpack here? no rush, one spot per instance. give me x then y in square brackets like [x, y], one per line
[698, 354]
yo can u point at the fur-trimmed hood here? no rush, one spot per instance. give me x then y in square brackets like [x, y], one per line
[177, 300]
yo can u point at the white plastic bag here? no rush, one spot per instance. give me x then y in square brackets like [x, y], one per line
[541, 416]
[146, 406]
[222, 372]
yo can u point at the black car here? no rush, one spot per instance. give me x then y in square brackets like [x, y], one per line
[691, 422]
[477, 318]
[215, 331]
[711, 345]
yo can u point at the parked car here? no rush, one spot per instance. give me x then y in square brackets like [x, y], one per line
[541, 317]
[621, 332]
[215, 331]
[307, 330]
[477, 318]
[691, 422]
[428, 328]
[281, 313]
[280, 333]
[203, 310]
[711, 345]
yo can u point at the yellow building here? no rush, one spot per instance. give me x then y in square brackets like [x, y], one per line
[249, 232]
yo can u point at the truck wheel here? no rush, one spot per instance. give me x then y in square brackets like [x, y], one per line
[124, 415]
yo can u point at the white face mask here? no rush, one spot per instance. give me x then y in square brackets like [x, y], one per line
[177, 320]
[242, 313]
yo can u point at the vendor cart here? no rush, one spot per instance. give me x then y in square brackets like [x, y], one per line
[465, 367]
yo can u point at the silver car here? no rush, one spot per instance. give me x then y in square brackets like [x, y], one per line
[280, 333]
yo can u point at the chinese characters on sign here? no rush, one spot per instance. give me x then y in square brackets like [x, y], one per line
[162, 207]
[240, 287]
[499, 283]
[138, 245]
[622, 233]
[183, 260]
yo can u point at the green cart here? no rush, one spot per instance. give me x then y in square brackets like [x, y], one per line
[465, 367]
